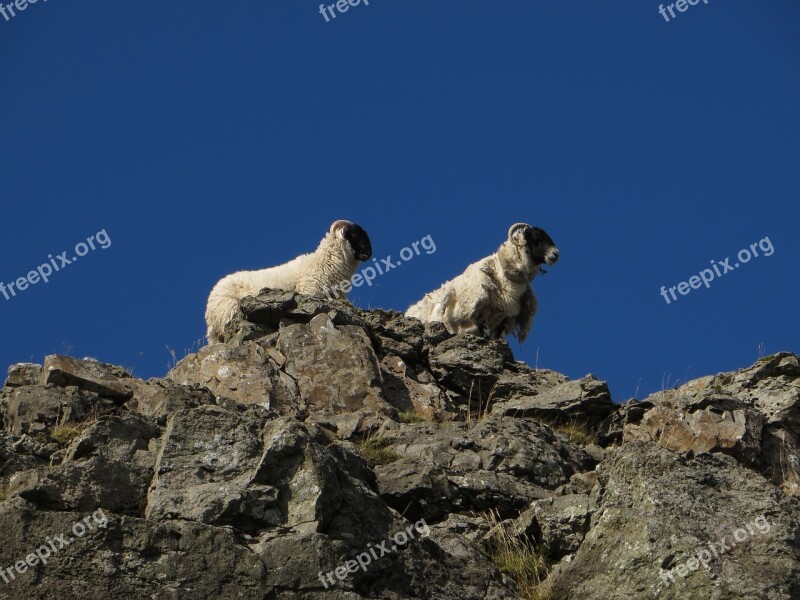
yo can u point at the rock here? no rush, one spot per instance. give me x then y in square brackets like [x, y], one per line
[412, 389]
[753, 415]
[109, 465]
[23, 374]
[261, 468]
[335, 369]
[303, 368]
[735, 429]
[161, 397]
[19, 454]
[632, 411]
[559, 522]
[106, 380]
[35, 408]
[584, 400]
[245, 373]
[128, 557]
[470, 366]
[580, 483]
[654, 510]
[349, 426]
[395, 334]
[205, 470]
[499, 464]
[518, 382]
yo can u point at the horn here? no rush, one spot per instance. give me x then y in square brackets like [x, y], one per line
[515, 229]
[337, 225]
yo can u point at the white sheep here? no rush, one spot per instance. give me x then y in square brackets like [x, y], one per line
[493, 297]
[335, 260]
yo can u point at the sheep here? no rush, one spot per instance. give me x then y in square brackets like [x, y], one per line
[493, 297]
[335, 260]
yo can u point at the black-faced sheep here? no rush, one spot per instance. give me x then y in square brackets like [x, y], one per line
[493, 297]
[335, 260]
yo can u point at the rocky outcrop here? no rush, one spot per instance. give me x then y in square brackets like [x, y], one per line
[752, 415]
[328, 453]
[656, 514]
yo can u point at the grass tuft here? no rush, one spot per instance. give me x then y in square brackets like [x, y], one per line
[412, 416]
[526, 564]
[64, 433]
[375, 452]
[577, 432]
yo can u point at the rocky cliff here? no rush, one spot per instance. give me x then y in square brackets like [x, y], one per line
[329, 453]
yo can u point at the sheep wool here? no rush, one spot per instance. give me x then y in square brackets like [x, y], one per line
[334, 261]
[493, 297]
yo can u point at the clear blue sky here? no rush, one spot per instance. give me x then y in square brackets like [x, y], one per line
[207, 137]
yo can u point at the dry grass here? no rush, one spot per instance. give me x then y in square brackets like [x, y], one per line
[375, 451]
[412, 416]
[196, 346]
[577, 432]
[64, 433]
[483, 409]
[525, 563]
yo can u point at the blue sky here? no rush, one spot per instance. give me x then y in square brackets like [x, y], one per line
[205, 138]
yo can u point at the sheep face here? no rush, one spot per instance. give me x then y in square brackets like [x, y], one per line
[540, 246]
[527, 249]
[358, 240]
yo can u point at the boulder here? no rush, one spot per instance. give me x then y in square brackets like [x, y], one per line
[655, 513]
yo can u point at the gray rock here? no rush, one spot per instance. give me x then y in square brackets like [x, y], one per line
[519, 382]
[129, 558]
[35, 409]
[585, 400]
[753, 415]
[470, 366]
[241, 474]
[161, 397]
[89, 375]
[109, 465]
[413, 389]
[246, 373]
[336, 369]
[654, 510]
[498, 464]
[559, 522]
[23, 374]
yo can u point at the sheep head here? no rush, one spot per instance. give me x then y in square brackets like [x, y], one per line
[532, 248]
[356, 238]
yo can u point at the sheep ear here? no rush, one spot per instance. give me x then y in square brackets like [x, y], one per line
[516, 235]
[339, 227]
